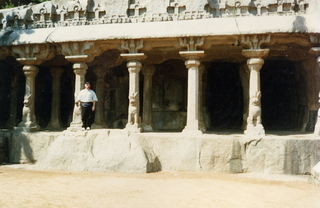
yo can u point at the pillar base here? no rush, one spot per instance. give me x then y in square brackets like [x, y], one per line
[27, 127]
[147, 127]
[317, 129]
[191, 131]
[75, 127]
[252, 130]
[135, 128]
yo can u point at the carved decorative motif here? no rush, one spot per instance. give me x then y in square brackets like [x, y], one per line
[132, 46]
[74, 13]
[32, 54]
[255, 41]
[191, 43]
[79, 51]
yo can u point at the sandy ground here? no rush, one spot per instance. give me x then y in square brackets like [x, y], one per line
[24, 186]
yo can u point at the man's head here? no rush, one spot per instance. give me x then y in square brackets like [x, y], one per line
[87, 85]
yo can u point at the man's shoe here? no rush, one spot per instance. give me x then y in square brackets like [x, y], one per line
[83, 129]
[88, 128]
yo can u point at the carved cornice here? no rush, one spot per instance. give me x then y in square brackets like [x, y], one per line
[79, 51]
[74, 13]
[32, 54]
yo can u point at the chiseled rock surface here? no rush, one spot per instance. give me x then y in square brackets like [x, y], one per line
[117, 150]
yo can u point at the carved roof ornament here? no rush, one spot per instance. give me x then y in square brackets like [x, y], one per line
[56, 13]
[175, 7]
[191, 43]
[32, 54]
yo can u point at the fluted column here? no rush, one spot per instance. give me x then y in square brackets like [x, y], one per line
[255, 63]
[99, 121]
[11, 122]
[134, 66]
[192, 63]
[147, 124]
[55, 122]
[80, 69]
[28, 122]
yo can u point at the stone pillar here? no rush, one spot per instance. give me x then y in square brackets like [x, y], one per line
[11, 122]
[28, 122]
[147, 124]
[99, 121]
[202, 124]
[134, 66]
[255, 62]
[192, 65]
[55, 122]
[316, 51]
[79, 69]
[244, 76]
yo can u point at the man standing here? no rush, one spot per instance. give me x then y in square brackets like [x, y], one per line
[86, 101]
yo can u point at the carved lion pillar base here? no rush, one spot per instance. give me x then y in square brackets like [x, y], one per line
[28, 122]
[80, 70]
[255, 62]
[134, 67]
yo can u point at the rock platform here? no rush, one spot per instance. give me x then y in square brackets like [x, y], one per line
[118, 150]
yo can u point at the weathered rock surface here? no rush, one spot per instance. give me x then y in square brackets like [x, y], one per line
[117, 150]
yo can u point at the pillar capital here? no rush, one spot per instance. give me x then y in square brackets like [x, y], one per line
[30, 70]
[255, 63]
[56, 71]
[80, 68]
[100, 72]
[134, 66]
[148, 70]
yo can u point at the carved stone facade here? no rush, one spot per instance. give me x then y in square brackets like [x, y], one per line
[76, 12]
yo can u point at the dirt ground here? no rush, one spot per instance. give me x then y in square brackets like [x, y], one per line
[24, 186]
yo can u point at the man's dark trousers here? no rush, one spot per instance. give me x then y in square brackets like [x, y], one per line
[87, 115]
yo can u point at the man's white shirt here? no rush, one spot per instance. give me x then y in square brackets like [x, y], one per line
[87, 96]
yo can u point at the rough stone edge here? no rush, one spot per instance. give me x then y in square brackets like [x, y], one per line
[315, 175]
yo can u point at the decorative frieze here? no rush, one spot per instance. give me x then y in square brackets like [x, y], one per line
[75, 13]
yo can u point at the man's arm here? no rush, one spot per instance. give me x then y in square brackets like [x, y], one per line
[94, 105]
